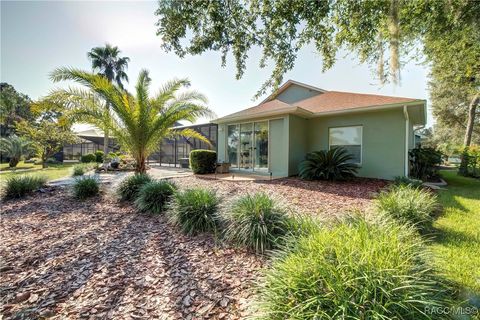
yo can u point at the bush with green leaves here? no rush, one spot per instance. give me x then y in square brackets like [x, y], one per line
[353, 270]
[86, 187]
[89, 157]
[424, 162]
[99, 155]
[408, 205]
[130, 186]
[257, 222]
[333, 164]
[81, 168]
[405, 181]
[203, 161]
[20, 185]
[195, 211]
[154, 195]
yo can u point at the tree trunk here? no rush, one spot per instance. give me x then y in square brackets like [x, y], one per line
[105, 145]
[463, 170]
[44, 161]
[140, 166]
[13, 162]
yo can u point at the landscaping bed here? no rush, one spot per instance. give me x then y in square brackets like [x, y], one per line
[99, 258]
[315, 197]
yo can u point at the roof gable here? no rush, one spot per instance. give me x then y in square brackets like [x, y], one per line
[293, 91]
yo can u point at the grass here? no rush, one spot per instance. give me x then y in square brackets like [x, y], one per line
[20, 165]
[457, 242]
[54, 171]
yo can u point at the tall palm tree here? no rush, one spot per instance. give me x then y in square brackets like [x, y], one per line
[14, 148]
[139, 121]
[107, 61]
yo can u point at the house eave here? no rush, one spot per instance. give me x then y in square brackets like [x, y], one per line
[266, 114]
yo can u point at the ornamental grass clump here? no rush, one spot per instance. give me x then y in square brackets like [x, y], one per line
[86, 187]
[353, 270]
[195, 211]
[257, 222]
[153, 196]
[408, 205]
[130, 186]
[20, 185]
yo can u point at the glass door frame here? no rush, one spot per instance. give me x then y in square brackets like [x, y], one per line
[253, 142]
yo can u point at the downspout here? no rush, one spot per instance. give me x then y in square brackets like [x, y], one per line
[407, 125]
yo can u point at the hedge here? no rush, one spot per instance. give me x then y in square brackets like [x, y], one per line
[90, 157]
[203, 161]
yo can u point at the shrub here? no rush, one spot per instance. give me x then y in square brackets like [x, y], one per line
[51, 161]
[424, 162]
[86, 187]
[153, 196]
[18, 186]
[89, 157]
[405, 181]
[407, 204]
[195, 211]
[257, 222]
[80, 169]
[328, 165]
[129, 187]
[353, 270]
[99, 155]
[203, 161]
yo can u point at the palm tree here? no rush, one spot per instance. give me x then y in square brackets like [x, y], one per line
[107, 61]
[14, 148]
[138, 121]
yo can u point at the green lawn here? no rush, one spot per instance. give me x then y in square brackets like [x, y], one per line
[456, 246]
[20, 165]
[54, 171]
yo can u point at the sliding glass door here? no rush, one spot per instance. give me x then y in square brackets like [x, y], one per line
[247, 145]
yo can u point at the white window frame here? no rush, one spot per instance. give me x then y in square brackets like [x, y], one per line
[361, 140]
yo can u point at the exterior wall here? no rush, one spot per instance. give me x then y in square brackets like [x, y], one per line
[298, 129]
[296, 93]
[383, 141]
[278, 141]
[222, 143]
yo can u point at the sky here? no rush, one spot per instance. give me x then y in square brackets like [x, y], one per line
[39, 36]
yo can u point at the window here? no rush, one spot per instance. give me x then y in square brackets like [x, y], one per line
[349, 138]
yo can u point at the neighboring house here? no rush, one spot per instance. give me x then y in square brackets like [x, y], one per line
[89, 141]
[275, 135]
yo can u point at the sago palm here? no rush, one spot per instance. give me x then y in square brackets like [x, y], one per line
[333, 164]
[138, 121]
[14, 148]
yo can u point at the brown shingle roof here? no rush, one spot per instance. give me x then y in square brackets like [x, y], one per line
[269, 106]
[337, 100]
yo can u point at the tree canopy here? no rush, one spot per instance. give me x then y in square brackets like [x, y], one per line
[14, 106]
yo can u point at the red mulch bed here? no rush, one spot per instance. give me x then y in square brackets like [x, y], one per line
[314, 197]
[99, 259]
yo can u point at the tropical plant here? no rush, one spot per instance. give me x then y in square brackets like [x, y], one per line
[195, 211]
[203, 161]
[86, 187]
[14, 148]
[257, 222]
[80, 169]
[353, 270]
[153, 196]
[19, 185]
[328, 165]
[130, 186]
[138, 122]
[408, 205]
[424, 162]
[107, 61]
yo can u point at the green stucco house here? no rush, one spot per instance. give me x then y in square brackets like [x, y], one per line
[274, 136]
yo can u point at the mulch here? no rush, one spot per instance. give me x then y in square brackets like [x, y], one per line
[321, 198]
[99, 259]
